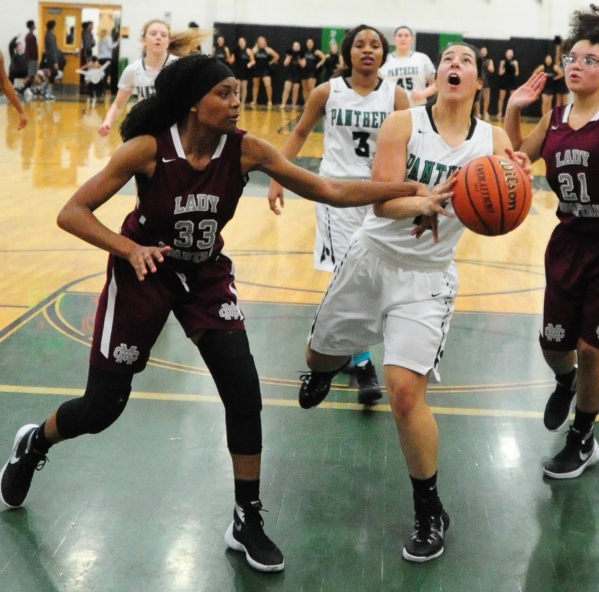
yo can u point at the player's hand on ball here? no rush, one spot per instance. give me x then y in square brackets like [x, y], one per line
[143, 259]
[529, 92]
[522, 160]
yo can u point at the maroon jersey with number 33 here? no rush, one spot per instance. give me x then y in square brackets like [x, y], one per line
[572, 159]
[184, 208]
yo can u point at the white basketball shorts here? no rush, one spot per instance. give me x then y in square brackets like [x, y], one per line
[334, 230]
[369, 301]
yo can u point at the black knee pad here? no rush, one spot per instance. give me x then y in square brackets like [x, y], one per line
[104, 400]
[227, 355]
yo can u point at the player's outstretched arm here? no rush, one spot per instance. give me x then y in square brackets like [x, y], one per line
[314, 110]
[390, 165]
[77, 216]
[523, 96]
[122, 96]
[257, 154]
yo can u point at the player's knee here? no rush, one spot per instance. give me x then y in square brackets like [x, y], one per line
[244, 433]
[588, 355]
[231, 364]
[402, 403]
[103, 402]
[404, 396]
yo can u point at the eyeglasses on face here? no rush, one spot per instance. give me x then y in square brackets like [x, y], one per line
[587, 61]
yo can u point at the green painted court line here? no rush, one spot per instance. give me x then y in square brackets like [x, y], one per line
[463, 411]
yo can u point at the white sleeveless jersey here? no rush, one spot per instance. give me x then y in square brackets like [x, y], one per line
[352, 123]
[430, 161]
[410, 72]
[138, 81]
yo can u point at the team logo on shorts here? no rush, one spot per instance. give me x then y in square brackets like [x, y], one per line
[124, 354]
[556, 333]
[229, 311]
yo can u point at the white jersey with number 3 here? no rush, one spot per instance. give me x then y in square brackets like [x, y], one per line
[352, 123]
[430, 161]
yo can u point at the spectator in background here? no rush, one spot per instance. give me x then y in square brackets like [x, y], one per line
[93, 72]
[9, 92]
[242, 59]
[87, 42]
[264, 57]
[18, 63]
[115, 35]
[105, 47]
[31, 52]
[51, 57]
[507, 79]
[314, 60]
[220, 51]
[332, 61]
[561, 89]
[552, 75]
[294, 62]
[481, 107]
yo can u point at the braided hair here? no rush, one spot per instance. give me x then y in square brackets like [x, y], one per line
[179, 86]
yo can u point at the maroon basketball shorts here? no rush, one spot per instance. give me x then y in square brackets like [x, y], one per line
[571, 309]
[131, 313]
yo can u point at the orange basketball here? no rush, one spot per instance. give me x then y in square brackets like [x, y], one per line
[492, 195]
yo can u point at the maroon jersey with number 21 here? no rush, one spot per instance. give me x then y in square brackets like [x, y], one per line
[572, 159]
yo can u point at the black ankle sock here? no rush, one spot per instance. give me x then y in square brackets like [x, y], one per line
[583, 422]
[569, 379]
[40, 443]
[426, 494]
[247, 491]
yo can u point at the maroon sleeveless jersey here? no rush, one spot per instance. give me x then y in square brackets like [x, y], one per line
[184, 208]
[572, 159]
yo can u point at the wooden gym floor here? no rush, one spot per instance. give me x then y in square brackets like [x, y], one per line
[144, 505]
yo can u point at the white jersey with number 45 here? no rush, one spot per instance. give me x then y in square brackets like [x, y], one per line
[410, 72]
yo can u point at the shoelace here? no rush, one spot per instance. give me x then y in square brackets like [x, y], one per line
[424, 530]
[254, 521]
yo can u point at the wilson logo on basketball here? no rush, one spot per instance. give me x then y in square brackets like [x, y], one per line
[492, 195]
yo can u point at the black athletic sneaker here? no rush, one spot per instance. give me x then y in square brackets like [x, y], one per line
[369, 391]
[427, 540]
[246, 534]
[17, 473]
[315, 388]
[580, 452]
[557, 410]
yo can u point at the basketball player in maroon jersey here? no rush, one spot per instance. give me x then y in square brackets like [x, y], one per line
[567, 138]
[190, 163]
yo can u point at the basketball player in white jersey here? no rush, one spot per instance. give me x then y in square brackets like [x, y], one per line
[354, 106]
[412, 70]
[161, 47]
[398, 280]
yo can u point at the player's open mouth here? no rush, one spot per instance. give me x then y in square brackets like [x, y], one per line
[454, 79]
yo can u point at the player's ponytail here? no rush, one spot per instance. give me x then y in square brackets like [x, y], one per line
[183, 43]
